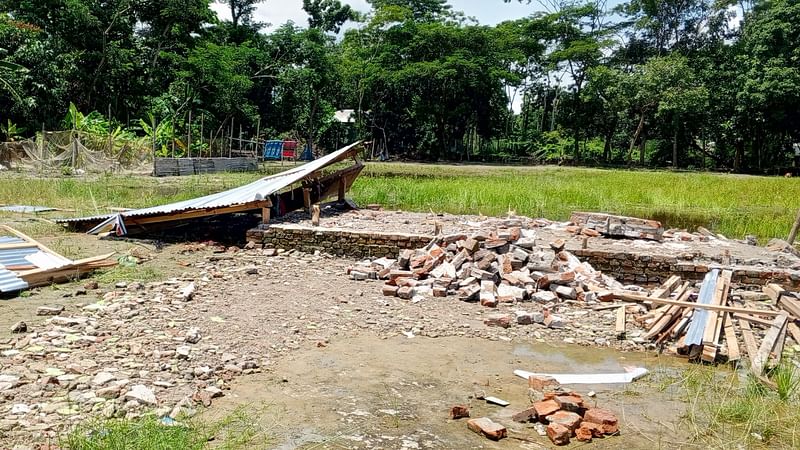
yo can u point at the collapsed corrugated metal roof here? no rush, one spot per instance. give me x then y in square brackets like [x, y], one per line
[223, 202]
[25, 262]
[10, 282]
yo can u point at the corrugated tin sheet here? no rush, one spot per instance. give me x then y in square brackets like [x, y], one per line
[25, 208]
[257, 190]
[694, 336]
[9, 282]
[15, 256]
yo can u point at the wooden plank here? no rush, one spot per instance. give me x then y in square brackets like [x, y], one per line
[768, 344]
[713, 330]
[779, 345]
[790, 305]
[773, 291]
[196, 213]
[730, 339]
[753, 319]
[17, 245]
[643, 299]
[620, 325]
[667, 287]
[749, 339]
[86, 262]
[794, 330]
[671, 315]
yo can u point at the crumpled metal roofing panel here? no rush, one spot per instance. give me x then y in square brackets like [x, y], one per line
[9, 282]
[257, 190]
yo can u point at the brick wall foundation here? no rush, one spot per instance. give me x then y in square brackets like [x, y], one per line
[634, 268]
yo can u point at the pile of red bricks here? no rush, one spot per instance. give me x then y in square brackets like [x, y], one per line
[567, 415]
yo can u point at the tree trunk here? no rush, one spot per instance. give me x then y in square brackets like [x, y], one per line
[635, 138]
[642, 147]
[675, 147]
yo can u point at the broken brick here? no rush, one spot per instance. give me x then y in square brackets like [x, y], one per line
[525, 415]
[588, 429]
[545, 407]
[570, 403]
[606, 419]
[486, 427]
[459, 412]
[390, 291]
[569, 419]
[498, 320]
[541, 382]
[558, 434]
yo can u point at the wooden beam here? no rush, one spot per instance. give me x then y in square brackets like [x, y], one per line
[773, 291]
[730, 339]
[790, 305]
[667, 287]
[18, 245]
[307, 199]
[620, 324]
[196, 213]
[758, 363]
[794, 330]
[753, 319]
[341, 190]
[713, 328]
[749, 340]
[644, 299]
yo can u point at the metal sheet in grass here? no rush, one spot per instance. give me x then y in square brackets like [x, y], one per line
[244, 195]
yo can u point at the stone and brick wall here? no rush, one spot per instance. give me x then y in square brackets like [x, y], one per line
[641, 268]
[358, 244]
[632, 267]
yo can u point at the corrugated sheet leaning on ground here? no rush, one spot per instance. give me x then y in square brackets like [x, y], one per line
[257, 190]
[10, 282]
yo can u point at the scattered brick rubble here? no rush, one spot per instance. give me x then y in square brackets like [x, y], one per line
[559, 414]
[507, 270]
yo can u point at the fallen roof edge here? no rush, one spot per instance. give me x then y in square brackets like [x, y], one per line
[254, 191]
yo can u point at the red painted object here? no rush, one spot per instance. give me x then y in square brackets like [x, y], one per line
[289, 149]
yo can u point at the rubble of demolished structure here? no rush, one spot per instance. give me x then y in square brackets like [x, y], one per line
[531, 282]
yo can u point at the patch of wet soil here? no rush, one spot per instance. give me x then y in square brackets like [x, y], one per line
[367, 392]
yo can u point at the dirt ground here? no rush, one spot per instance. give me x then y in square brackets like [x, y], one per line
[375, 392]
[338, 365]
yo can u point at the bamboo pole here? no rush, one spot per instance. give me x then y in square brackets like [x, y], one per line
[230, 148]
[795, 229]
[189, 137]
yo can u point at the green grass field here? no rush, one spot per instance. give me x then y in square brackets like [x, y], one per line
[733, 205]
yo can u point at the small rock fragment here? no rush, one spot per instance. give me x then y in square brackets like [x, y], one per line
[459, 412]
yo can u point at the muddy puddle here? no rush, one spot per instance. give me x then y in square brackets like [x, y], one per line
[396, 393]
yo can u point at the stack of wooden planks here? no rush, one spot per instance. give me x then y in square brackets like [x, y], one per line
[707, 326]
[37, 265]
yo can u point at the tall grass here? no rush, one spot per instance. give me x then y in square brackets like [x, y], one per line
[733, 205]
[728, 410]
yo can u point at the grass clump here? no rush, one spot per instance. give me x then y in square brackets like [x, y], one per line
[238, 430]
[729, 410]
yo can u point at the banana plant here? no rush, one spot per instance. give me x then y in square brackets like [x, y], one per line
[11, 131]
[8, 67]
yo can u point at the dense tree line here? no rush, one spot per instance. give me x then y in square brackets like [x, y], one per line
[684, 83]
